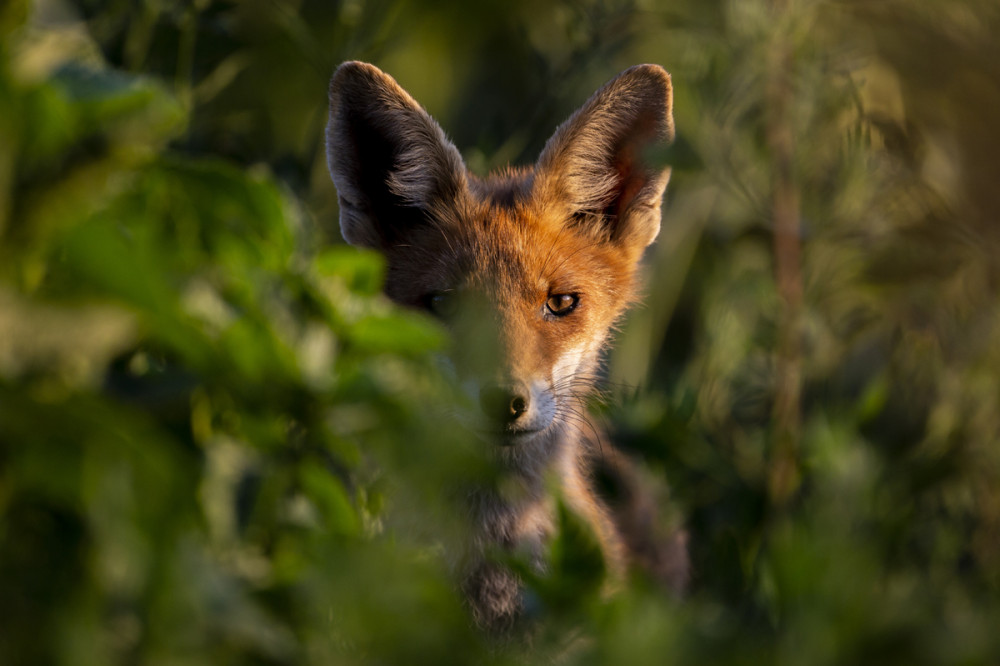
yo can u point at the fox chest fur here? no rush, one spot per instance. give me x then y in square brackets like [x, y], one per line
[530, 269]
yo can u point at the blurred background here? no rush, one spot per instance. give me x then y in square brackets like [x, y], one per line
[209, 417]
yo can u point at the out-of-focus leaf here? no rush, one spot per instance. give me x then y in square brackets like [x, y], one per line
[13, 16]
[574, 573]
[122, 263]
[82, 105]
[398, 333]
[327, 492]
[363, 272]
[71, 342]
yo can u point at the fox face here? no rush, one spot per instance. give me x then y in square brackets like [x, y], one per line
[530, 267]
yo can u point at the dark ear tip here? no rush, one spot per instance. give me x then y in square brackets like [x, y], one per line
[651, 71]
[355, 72]
[653, 79]
[653, 85]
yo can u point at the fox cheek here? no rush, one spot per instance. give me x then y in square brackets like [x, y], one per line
[566, 369]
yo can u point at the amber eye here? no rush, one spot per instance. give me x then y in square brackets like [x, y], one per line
[561, 305]
[444, 304]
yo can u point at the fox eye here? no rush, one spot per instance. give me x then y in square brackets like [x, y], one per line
[444, 304]
[561, 305]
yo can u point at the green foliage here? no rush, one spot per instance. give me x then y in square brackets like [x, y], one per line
[218, 442]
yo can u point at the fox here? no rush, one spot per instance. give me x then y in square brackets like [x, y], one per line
[530, 268]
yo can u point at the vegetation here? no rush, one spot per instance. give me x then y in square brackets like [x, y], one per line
[218, 442]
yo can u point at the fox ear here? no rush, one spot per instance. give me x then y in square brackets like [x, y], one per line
[598, 160]
[391, 163]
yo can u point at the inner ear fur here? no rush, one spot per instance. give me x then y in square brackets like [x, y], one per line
[392, 164]
[597, 162]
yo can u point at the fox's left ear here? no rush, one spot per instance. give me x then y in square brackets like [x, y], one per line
[599, 160]
[392, 165]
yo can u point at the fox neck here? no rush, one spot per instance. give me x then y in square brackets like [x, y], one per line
[517, 512]
[520, 517]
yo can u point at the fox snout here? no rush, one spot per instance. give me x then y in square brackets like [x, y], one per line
[504, 405]
[515, 412]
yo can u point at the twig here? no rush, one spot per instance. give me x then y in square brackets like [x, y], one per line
[784, 472]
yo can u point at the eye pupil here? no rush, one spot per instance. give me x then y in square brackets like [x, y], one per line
[561, 304]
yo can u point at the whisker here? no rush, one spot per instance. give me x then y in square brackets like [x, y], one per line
[573, 415]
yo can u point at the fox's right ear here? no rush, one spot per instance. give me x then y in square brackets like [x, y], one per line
[598, 162]
[391, 163]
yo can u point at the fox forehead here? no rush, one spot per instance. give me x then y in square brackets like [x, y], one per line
[506, 242]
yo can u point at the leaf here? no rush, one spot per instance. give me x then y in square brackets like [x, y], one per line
[362, 271]
[575, 571]
[575, 557]
[397, 333]
[327, 492]
[128, 107]
[71, 342]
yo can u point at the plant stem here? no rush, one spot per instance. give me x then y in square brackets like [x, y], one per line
[784, 472]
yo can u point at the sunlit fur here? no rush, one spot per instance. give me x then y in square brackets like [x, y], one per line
[576, 224]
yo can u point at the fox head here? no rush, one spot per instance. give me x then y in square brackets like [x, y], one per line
[530, 268]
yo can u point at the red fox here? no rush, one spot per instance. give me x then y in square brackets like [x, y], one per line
[535, 266]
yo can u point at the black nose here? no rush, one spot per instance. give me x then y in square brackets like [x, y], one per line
[502, 404]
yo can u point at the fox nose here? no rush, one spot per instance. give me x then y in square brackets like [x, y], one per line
[503, 404]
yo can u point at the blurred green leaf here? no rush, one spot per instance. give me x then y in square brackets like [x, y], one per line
[339, 515]
[397, 333]
[362, 272]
